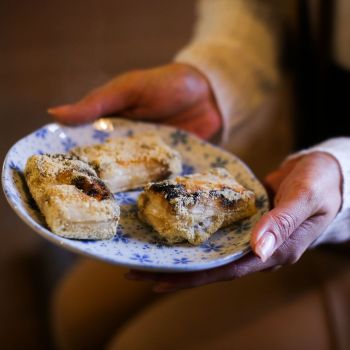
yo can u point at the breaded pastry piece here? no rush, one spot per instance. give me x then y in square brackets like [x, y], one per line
[74, 201]
[127, 163]
[193, 207]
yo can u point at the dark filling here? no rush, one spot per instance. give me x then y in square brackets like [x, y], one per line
[61, 156]
[174, 191]
[86, 171]
[224, 201]
[92, 187]
[170, 191]
[164, 175]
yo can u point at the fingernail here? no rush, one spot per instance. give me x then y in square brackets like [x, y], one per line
[265, 246]
[259, 235]
[163, 287]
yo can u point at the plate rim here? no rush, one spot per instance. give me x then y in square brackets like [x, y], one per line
[56, 239]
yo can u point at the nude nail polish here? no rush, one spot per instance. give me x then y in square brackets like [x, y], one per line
[265, 246]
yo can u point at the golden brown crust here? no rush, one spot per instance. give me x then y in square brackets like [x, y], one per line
[194, 207]
[130, 162]
[74, 201]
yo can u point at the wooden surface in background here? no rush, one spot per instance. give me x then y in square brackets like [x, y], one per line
[52, 52]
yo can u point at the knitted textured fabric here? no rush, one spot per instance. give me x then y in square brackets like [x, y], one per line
[236, 47]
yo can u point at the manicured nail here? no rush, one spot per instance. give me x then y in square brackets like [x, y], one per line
[259, 235]
[265, 246]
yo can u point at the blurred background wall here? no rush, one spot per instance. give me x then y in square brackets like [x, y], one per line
[52, 52]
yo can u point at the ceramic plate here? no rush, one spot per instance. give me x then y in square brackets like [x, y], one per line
[135, 245]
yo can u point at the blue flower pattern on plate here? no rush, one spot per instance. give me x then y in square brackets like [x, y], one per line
[99, 135]
[159, 244]
[187, 169]
[124, 198]
[242, 227]
[211, 247]
[178, 137]
[68, 144]
[141, 258]
[219, 163]
[14, 166]
[41, 133]
[181, 261]
[135, 244]
[121, 237]
[260, 202]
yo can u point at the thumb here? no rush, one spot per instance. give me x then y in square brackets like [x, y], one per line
[275, 227]
[113, 97]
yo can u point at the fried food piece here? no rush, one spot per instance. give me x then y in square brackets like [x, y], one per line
[127, 163]
[191, 208]
[74, 201]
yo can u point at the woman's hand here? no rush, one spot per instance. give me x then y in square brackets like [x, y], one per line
[307, 198]
[175, 94]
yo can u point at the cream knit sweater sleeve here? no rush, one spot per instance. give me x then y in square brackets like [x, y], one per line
[236, 47]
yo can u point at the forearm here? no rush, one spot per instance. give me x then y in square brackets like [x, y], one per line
[236, 46]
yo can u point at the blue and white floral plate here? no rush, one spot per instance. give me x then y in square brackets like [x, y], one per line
[135, 245]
